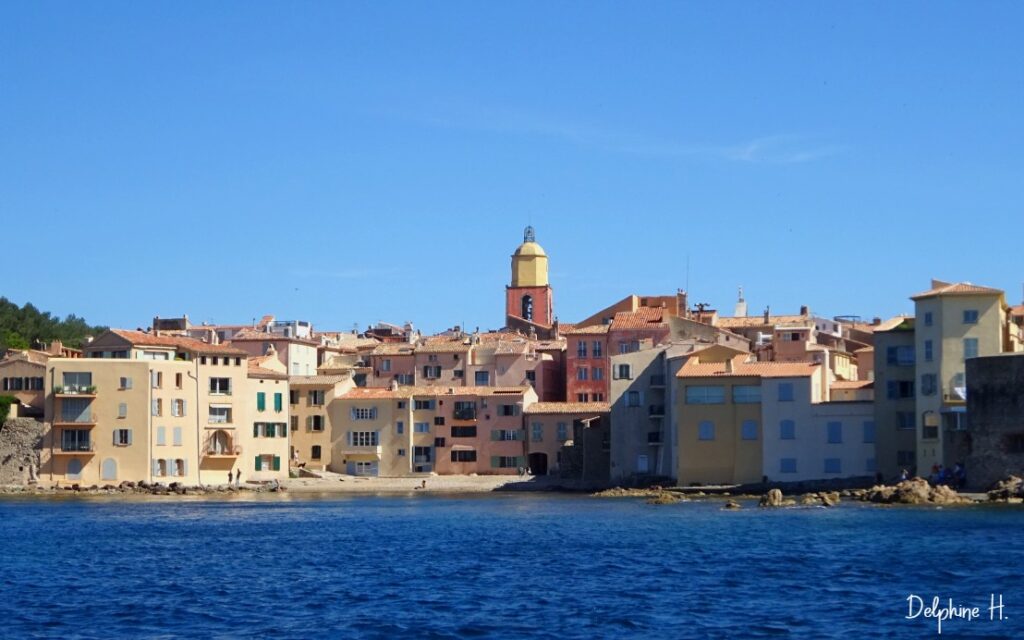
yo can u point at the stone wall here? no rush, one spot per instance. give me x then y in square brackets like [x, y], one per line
[995, 410]
[20, 442]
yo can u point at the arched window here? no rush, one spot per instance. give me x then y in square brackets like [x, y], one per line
[527, 307]
[74, 469]
[108, 470]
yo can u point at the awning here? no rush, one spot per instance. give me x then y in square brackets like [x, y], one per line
[462, 447]
[219, 406]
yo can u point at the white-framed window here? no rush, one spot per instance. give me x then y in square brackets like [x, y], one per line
[178, 407]
[220, 386]
[122, 437]
[705, 394]
[706, 430]
[220, 415]
[596, 348]
[421, 427]
[970, 316]
[158, 407]
[364, 413]
[505, 434]
[364, 438]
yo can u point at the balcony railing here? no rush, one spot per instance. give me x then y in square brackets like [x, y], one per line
[229, 451]
[420, 459]
[75, 390]
[85, 419]
[656, 410]
[76, 447]
[465, 414]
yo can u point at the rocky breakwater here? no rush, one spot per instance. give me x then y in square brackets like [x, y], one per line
[143, 488]
[1010, 490]
[654, 495]
[913, 491]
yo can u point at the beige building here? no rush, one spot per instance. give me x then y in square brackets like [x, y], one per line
[310, 397]
[148, 407]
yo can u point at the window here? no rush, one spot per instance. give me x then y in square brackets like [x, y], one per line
[623, 372]
[464, 410]
[598, 373]
[929, 384]
[869, 432]
[364, 413]
[508, 410]
[74, 381]
[563, 431]
[76, 410]
[705, 394]
[581, 349]
[439, 421]
[261, 401]
[598, 397]
[787, 465]
[785, 392]
[482, 378]
[506, 462]
[970, 316]
[122, 437]
[706, 430]
[178, 407]
[970, 348]
[581, 373]
[633, 399]
[220, 386]
[294, 420]
[526, 308]
[176, 436]
[900, 356]
[906, 458]
[75, 440]
[531, 376]
[293, 396]
[464, 432]
[314, 423]
[537, 432]
[401, 453]
[122, 410]
[161, 436]
[364, 438]
[833, 465]
[748, 431]
[835, 432]
[399, 427]
[928, 351]
[596, 349]
[463, 456]
[156, 379]
[314, 452]
[431, 372]
[404, 378]
[158, 407]
[746, 394]
[220, 415]
[125, 383]
[278, 402]
[178, 380]
[458, 373]
[905, 420]
[385, 364]
[896, 389]
[787, 430]
[505, 434]
[423, 405]
[928, 319]
[421, 427]
[316, 398]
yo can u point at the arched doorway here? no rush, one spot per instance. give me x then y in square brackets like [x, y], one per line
[74, 469]
[538, 463]
[220, 443]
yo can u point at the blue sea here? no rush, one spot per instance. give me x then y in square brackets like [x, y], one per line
[498, 566]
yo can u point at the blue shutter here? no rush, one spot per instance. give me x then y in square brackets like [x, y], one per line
[184, 467]
[129, 436]
[156, 468]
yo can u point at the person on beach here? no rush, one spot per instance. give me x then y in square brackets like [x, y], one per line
[230, 476]
[904, 475]
[238, 478]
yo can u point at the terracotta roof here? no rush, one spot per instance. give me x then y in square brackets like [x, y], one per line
[747, 322]
[568, 407]
[316, 381]
[853, 384]
[511, 347]
[740, 368]
[253, 335]
[1017, 311]
[864, 349]
[455, 345]
[940, 288]
[141, 339]
[893, 323]
[393, 349]
[594, 329]
[642, 318]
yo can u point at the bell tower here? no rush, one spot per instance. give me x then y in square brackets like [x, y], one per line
[528, 300]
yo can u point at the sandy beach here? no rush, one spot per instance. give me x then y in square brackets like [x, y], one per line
[340, 483]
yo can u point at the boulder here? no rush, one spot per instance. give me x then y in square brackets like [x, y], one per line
[771, 499]
[829, 499]
[732, 505]
[1011, 487]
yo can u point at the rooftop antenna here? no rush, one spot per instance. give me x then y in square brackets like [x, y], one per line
[687, 273]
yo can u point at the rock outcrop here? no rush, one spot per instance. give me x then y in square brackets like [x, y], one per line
[21, 440]
[771, 499]
[913, 491]
[1009, 490]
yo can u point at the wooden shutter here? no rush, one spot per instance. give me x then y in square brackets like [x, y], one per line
[277, 463]
[278, 402]
[255, 429]
[156, 468]
[184, 467]
[184, 407]
[257, 467]
[115, 437]
[129, 436]
[261, 401]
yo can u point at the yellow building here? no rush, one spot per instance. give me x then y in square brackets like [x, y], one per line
[310, 397]
[149, 407]
[954, 322]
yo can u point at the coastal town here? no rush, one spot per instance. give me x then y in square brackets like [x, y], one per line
[650, 390]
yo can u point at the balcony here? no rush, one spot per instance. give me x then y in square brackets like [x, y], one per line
[466, 415]
[74, 391]
[657, 381]
[75, 449]
[656, 411]
[221, 445]
[86, 420]
[355, 450]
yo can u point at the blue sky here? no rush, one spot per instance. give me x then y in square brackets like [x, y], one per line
[353, 162]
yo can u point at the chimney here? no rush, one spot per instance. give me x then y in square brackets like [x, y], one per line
[728, 365]
[805, 311]
[767, 314]
[56, 347]
[394, 385]
[876, 321]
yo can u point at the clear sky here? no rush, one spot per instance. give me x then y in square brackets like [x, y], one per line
[353, 162]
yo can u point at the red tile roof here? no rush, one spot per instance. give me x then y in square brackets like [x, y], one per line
[940, 288]
[594, 329]
[693, 368]
[642, 318]
[568, 407]
[141, 339]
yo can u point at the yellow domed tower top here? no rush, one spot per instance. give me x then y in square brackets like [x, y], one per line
[529, 263]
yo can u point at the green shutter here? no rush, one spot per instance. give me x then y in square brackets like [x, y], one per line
[257, 467]
[520, 461]
[277, 463]
[255, 429]
[278, 403]
[261, 401]
[494, 434]
[495, 462]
